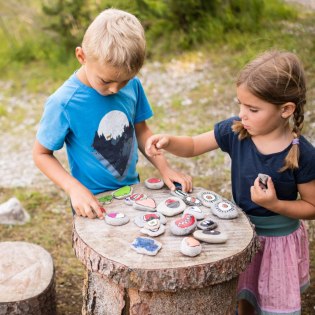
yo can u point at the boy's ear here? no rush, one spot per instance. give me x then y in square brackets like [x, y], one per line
[80, 55]
[287, 109]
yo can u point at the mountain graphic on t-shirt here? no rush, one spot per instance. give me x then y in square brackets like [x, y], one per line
[113, 143]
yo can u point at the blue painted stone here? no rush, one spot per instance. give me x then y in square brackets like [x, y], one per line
[146, 245]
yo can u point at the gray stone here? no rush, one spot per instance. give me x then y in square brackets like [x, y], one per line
[141, 219]
[225, 209]
[206, 224]
[196, 212]
[153, 228]
[208, 198]
[116, 218]
[263, 178]
[179, 193]
[154, 183]
[210, 236]
[12, 212]
[184, 225]
[190, 246]
[171, 206]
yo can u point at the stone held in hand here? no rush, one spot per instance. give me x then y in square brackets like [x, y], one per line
[211, 236]
[263, 179]
[184, 225]
[190, 246]
[134, 197]
[140, 220]
[147, 204]
[12, 212]
[225, 210]
[146, 246]
[153, 228]
[208, 198]
[207, 224]
[122, 192]
[154, 183]
[116, 218]
[196, 212]
[171, 206]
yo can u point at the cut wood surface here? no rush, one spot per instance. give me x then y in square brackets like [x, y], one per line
[106, 249]
[26, 279]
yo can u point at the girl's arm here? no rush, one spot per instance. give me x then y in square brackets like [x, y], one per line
[181, 145]
[304, 208]
[169, 175]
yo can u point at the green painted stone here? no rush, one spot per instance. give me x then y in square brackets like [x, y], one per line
[106, 199]
[122, 192]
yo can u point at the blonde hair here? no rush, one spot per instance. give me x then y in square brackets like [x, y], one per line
[116, 38]
[277, 77]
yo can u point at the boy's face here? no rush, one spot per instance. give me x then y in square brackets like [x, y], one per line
[105, 79]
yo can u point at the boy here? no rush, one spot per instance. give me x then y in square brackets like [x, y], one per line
[100, 113]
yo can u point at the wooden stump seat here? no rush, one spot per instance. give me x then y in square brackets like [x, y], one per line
[26, 280]
[121, 281]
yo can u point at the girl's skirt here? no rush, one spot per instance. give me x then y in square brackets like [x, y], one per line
[279, 272]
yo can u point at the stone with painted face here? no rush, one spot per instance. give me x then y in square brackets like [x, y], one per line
[211, 236]
[190, 246]
[184, 225]
[196, 212]
[225, 210]
[154, 183]
[140, 220]
[171, 206]
[116, 218]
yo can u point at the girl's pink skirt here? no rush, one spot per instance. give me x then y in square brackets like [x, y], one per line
[279, 272]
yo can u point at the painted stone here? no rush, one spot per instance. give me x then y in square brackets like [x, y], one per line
[179, 193]
[190, 246]
[107, 199]
[210, 236]
[196, 212]
[146, 246]
[153, 228]
[154, 183]
[122, 192]
[177, 185]
[208, 198]
[207, 224]
[225, 210]
[171, 206]
[192, 201]
[184, 225]
[145, 204]
[140, 220]
[116, 218]
[129, 200]
[263, 178]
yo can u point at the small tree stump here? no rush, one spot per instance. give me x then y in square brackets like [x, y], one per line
[26, 280]
[121, 281]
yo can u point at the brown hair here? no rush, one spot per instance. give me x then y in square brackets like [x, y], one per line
[277, 77]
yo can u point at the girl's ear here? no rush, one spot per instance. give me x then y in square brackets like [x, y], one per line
[80, 55]
[287, 109]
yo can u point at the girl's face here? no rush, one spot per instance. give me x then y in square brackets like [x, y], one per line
[258, 116]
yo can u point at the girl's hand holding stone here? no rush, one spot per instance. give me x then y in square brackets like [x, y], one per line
[266, 198]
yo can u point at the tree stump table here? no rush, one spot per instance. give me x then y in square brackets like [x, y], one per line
[121, 281]
[27, 284]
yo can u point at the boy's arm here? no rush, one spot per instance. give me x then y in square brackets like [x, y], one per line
[83, 201]
[143, 132]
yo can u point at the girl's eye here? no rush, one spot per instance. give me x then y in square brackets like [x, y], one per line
[253, 110]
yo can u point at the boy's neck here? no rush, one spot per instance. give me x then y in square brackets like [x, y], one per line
[82, 77]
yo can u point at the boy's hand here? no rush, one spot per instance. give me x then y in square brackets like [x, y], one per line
[85, 204]
[155, 143]
[170, 176]
[264, 197]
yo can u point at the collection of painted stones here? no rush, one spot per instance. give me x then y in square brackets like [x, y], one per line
[153, 224]
[154, 183]
[171, 206]
[184, 225]
[189, 246]
[146, 246]
[116, 218]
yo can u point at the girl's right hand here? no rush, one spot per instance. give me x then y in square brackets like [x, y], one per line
[155, 143]
[84, 203]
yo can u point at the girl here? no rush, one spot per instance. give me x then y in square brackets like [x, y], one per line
[266, 138]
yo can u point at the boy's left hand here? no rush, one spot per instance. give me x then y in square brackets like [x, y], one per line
[170, 176]
[266, 198]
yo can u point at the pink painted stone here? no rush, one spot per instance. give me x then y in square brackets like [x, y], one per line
[149, 202]
[154, 180]
[192, 242]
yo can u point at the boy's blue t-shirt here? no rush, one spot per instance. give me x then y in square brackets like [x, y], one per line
[99, 132]
[247, 162]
